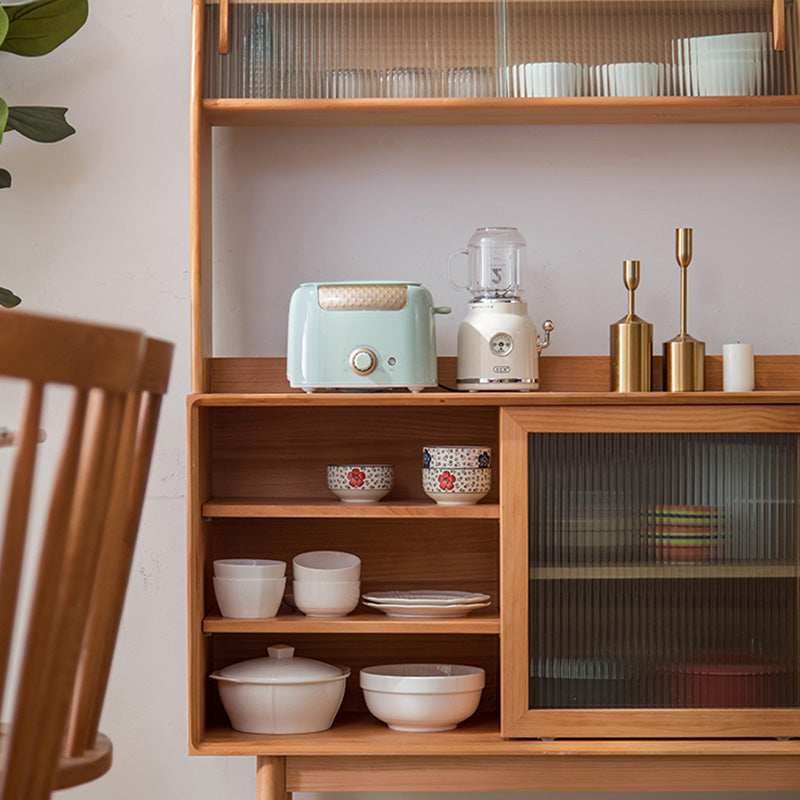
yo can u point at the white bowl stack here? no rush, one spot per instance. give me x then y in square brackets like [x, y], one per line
[730, 64]
[326, 583]
[249, 588]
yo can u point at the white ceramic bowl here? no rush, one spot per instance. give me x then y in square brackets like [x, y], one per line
[456, 487]
[456, 457]
[249, 598]
[280, 693]
[551, 79]
[633, 79]
[752, 42]
[326, 598]
[422, 697]
[249, 568]
[727, 76]
[360, 483]
[326, 565]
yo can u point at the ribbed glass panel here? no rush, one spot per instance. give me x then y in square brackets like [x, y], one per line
[500, 48]
[664, 570]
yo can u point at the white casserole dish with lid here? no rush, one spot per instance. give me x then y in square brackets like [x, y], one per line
[280, 693]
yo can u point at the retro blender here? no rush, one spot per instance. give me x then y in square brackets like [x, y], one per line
[498, 344]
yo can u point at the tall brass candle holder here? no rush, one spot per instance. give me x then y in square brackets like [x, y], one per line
[684, 356]
[631, 342]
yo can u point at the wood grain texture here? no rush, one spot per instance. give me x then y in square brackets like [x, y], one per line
[361, 734]
[499, 111]
[395, 554]
[545, 773]
[67, 627]
[331, 508]
[284, 451]
[518, 718]
[271, 778]
[557, 374]
[89, 766]
[200, 168]
[363, 620]
[514, 567]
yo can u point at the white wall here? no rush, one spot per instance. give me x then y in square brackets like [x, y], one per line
[97, 227]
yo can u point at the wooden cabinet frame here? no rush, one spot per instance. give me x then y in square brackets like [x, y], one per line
[359, 753]
[624, 416]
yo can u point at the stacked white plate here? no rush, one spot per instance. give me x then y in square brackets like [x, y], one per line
[725, 64]
[426, 603]
[627, 79]
[544, 79]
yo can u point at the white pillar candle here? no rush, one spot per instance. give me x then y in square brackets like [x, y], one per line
[738, 368]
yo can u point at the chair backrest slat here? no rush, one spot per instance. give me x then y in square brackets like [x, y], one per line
[111, 583]
[16, 524]
[93, 517]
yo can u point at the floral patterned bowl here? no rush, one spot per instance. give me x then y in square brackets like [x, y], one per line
[456, 457]
[360, 483]
[457, 487]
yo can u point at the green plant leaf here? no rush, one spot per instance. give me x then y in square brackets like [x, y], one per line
[5, 178]
[3, 24]
[8, 299]
[36, 28]
[3, 117]
[40, 123]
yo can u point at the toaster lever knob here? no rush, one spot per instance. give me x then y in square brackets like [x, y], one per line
[363, 361]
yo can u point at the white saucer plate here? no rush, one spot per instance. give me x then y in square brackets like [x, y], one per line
[426, 612]
[426, 597]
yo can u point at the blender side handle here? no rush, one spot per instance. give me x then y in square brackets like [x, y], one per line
[450, 268]
[547, 327]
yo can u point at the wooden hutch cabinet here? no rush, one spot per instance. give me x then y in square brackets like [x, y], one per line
[625, 647]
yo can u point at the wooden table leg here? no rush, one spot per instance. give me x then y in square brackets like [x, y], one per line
[271, 778]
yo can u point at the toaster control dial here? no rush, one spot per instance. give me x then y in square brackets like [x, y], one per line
[363, 361]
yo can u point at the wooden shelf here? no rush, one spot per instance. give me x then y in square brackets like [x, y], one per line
[482, 621]
[254, 507]
[501, 111]
[665, 571]
[362, 734]
[450, 399]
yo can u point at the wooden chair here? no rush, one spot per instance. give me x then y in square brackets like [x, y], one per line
[63, 638]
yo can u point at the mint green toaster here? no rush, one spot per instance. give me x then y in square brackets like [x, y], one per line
[364, 335]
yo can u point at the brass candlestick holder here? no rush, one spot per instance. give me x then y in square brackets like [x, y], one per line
[631, 342]
[684, 356]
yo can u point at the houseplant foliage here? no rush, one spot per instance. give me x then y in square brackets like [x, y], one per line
[35, 28]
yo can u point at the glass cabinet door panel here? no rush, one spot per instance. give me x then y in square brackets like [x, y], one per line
[663, 570]
[495, 48]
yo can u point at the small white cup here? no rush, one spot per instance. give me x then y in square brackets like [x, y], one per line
[249, 598]
[738, 368]
[326, 598]
[326, 565]
[633, 79]
[551, 79]
[249, 568]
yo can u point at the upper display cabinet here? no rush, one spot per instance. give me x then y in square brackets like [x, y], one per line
[679, 59]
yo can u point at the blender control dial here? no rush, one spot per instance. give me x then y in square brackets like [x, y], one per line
[501, 344]
[363, 361]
